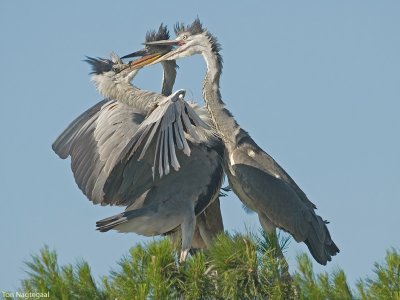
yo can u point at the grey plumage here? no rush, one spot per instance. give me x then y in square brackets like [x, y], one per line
[209, 223]
[93, 147]
[260, 183]
[112, 160]
[170, 119]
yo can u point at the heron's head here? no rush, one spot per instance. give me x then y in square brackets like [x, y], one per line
[190, 40]
[110, 71]
[153, 36]
[102, 66]
[151, 53]
[99, 65]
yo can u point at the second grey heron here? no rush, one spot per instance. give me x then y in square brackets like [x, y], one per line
[255, 177]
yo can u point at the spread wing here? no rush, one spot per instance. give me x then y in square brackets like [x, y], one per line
[64, 143]
[95, 141]
[167, 137]
[114, 151]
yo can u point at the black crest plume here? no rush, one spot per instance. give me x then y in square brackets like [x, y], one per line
[99, 65]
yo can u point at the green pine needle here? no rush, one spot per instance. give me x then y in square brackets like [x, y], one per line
[237, 266]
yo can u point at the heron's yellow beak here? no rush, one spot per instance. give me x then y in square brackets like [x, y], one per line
[144, 61]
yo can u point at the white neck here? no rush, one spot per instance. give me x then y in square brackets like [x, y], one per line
[119, 88]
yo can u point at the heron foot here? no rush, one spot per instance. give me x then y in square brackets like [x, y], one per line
[184, 254]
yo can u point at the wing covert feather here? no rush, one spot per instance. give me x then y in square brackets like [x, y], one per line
[176, 122]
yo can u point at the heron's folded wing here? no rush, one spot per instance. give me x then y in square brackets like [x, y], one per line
[270, 165]
[170, 125]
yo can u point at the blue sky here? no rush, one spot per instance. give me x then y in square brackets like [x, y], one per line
[316, 83]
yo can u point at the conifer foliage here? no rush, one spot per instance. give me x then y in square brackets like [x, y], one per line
[238, 266]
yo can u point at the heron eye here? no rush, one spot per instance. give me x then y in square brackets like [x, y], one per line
[116, 68]
[184, 37]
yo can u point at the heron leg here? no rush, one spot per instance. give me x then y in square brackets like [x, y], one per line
[187, 229]
[198, 241]
[175, 239]
[210, 223]
[270, 229]
[285, 275]
[205, 232]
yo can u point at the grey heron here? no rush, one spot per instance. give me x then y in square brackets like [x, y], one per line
[209, 223]
[110, 169]
[255, 177]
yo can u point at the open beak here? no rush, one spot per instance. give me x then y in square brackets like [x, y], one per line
[151, 59]
[171, 55]
[143, 61]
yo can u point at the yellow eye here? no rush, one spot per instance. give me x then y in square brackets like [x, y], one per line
[184, 37]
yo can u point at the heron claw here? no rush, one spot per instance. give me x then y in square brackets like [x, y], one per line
[184, 254]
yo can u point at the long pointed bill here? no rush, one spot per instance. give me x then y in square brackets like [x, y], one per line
[142, 52]
[167, 56]
[164, 43]
[144, 61]
[153, 59]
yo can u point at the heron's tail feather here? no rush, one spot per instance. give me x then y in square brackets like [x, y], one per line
[137, 220]
[110, 222]
[113, 221]
[320, 243]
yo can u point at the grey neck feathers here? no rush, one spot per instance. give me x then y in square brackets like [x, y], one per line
[223, 120]
[169, 75]
[122, 90]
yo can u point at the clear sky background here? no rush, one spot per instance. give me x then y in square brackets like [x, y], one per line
[316, 83]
